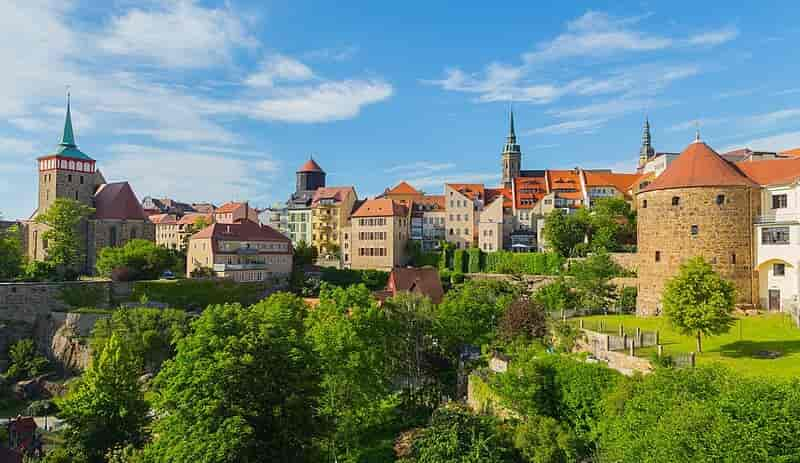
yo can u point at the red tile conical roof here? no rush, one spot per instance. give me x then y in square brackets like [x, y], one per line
[698, 166]
[310, 166]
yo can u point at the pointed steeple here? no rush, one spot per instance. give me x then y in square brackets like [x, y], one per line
[646, 151]
[512, 155]
[512, 136]
[68, 137]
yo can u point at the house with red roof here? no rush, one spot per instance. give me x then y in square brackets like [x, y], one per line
[242, 251]
[72, 174]
[379, 232]
[330, 212]
[423, 281]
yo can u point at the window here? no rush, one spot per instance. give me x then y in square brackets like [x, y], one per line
[775, 235]
[69, 177]
[695, 229]
[644, 204]
[779, 201]
[676, 200]
[733, 258]
[81, 179]
[658, 256]
[112, 236]
[720, 200]
[76, 195]
[778, 270]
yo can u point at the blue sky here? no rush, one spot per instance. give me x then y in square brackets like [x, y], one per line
[217, 101]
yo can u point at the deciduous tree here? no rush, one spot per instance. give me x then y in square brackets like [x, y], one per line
[65, 247]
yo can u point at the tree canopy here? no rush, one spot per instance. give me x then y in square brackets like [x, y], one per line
[12, 256]
[141, 260]
[699, 301]
[65, 247]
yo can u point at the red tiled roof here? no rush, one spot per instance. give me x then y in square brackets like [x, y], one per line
[622, 182]
[403, 188]
[381, 207]
[424, 281]
[529, 189]
[229, 207]
[432, 200]
[470, 190]
[163, 219]
[245, 230]
[563, 180]
[338, 193]
[494, 193]
[117, 201]
[699, 165]
[192, 217]
[310, 166]
[771, 171]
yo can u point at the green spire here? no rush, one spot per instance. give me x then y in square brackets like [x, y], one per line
[68, 137]
[511, 133]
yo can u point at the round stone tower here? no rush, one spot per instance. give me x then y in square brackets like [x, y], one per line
[702, 205]
[309, 177]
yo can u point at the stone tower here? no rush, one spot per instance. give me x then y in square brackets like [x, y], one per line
[310, 177]
[700, 206]
[646, 152]
[67, 173]
[512, 156]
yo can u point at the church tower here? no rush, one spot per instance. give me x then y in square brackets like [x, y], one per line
[309, 177]
[67, 173]
[512, 156]
[646, 152]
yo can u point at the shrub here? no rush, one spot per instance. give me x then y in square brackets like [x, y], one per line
[81, 295]
[524, 318]
[202, 272]
[474, 262]
[372, 279]
[459, 260]
[531, 263]
[143, 259]
[456, 278]
[198, 294]
[40, 271]
[25, 361]
[626, 302]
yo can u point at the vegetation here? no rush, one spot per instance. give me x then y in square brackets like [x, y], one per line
[525, 319]
[564, 232]
[309, 286]
[592, 280]
[81, 295]
[610, 225]
[25, 361]
[220, 398]
[66, 250]
[140, 259]
[698, 300]
[197, 294]
[419, 258]
[12, 257]
[107, 408]
[304, 254]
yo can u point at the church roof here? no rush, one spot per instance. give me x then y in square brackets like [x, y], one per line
[310, 166]
[67, 147]
[117, 201]
[699, 166]
[771, 171]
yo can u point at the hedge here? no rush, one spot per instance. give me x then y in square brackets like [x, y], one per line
[194, 294]
[459, 261]
[528, 263]
[427, 259]
[474, 265]
[372, 279]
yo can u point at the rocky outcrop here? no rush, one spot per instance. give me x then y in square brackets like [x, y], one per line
[63, 337]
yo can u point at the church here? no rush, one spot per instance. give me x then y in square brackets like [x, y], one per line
[70, 173]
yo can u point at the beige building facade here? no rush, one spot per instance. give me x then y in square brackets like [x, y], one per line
[378, 235]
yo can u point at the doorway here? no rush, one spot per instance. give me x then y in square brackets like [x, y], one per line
[774, 300]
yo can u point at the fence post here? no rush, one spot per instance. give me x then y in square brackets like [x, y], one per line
[608, 343]
[633, 348]
[658, 341]
[639, 336]
[691, 359]
[602, 326]
[621, 330]
[660, 351]
[624, 341]
[580, 323]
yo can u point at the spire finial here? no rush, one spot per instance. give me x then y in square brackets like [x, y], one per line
[511, 133]
[697, 132]
[68, 136]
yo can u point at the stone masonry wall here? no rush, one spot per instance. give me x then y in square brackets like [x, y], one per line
[724, 239]
[26, 302]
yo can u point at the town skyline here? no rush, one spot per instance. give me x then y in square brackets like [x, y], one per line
[235, 124]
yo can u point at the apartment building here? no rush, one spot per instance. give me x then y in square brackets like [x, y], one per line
[233, 212]
[378, 235]
[241, 251]
[464, 202]
[427, 214]
[330, 211]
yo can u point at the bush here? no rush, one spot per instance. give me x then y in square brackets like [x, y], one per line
[372, 279]
[25, 362]
[459, 260]
[525, 319]
[202, 272]
[40, 271]
[143, 259]
[198, 294]
[626, 301]
[456, 278]
[81, 295]
[474, 262]
[530, 263]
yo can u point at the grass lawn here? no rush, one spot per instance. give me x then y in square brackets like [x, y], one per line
[737, 349]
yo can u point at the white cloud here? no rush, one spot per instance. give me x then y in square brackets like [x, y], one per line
[17, 146]
[439, 181]
[333, 54]
[774, 117]
[583, 126]
[177, 33]
[616, 107]
[421, 166]
[693, 124]
[187, 174]
[779, 142]
[279, 68]
[714, 38]
[328, 101]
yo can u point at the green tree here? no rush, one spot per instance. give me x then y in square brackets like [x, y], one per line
[243, 387]
[699, 301]
[65, 247]
[541, 439]
[469, 314]
[555, 296]
[351, 337]
[563, 232]
[12, 257]
[612, 224]
[150, 334]
[24, 361]
[524, 318]
[592, 277]
[456, 435]
[142, 259]
[107, 408]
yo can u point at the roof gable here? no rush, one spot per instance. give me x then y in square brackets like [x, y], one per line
[117, 201]
[403, 188]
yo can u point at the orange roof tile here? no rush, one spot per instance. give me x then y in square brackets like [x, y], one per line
[529, 191]
[310, 166]
[403, 188]
[381, 207]
[338, 193]
[622, 182]
[771, 171]
[431, 200]
[494, 193]
[792, 152]
[699, 165]
[192, 217]
[470, 190]
[246, 230]
[229, 207]
[163, 219]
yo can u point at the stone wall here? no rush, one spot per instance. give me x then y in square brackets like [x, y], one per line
[100, 235]
[626, 260]
[595, 344]
[724, 238]
[27, 302]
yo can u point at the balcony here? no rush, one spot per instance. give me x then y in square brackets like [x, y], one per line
[230, 267]
[778, 218]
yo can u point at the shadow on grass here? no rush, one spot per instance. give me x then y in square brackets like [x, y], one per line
[759, 349]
